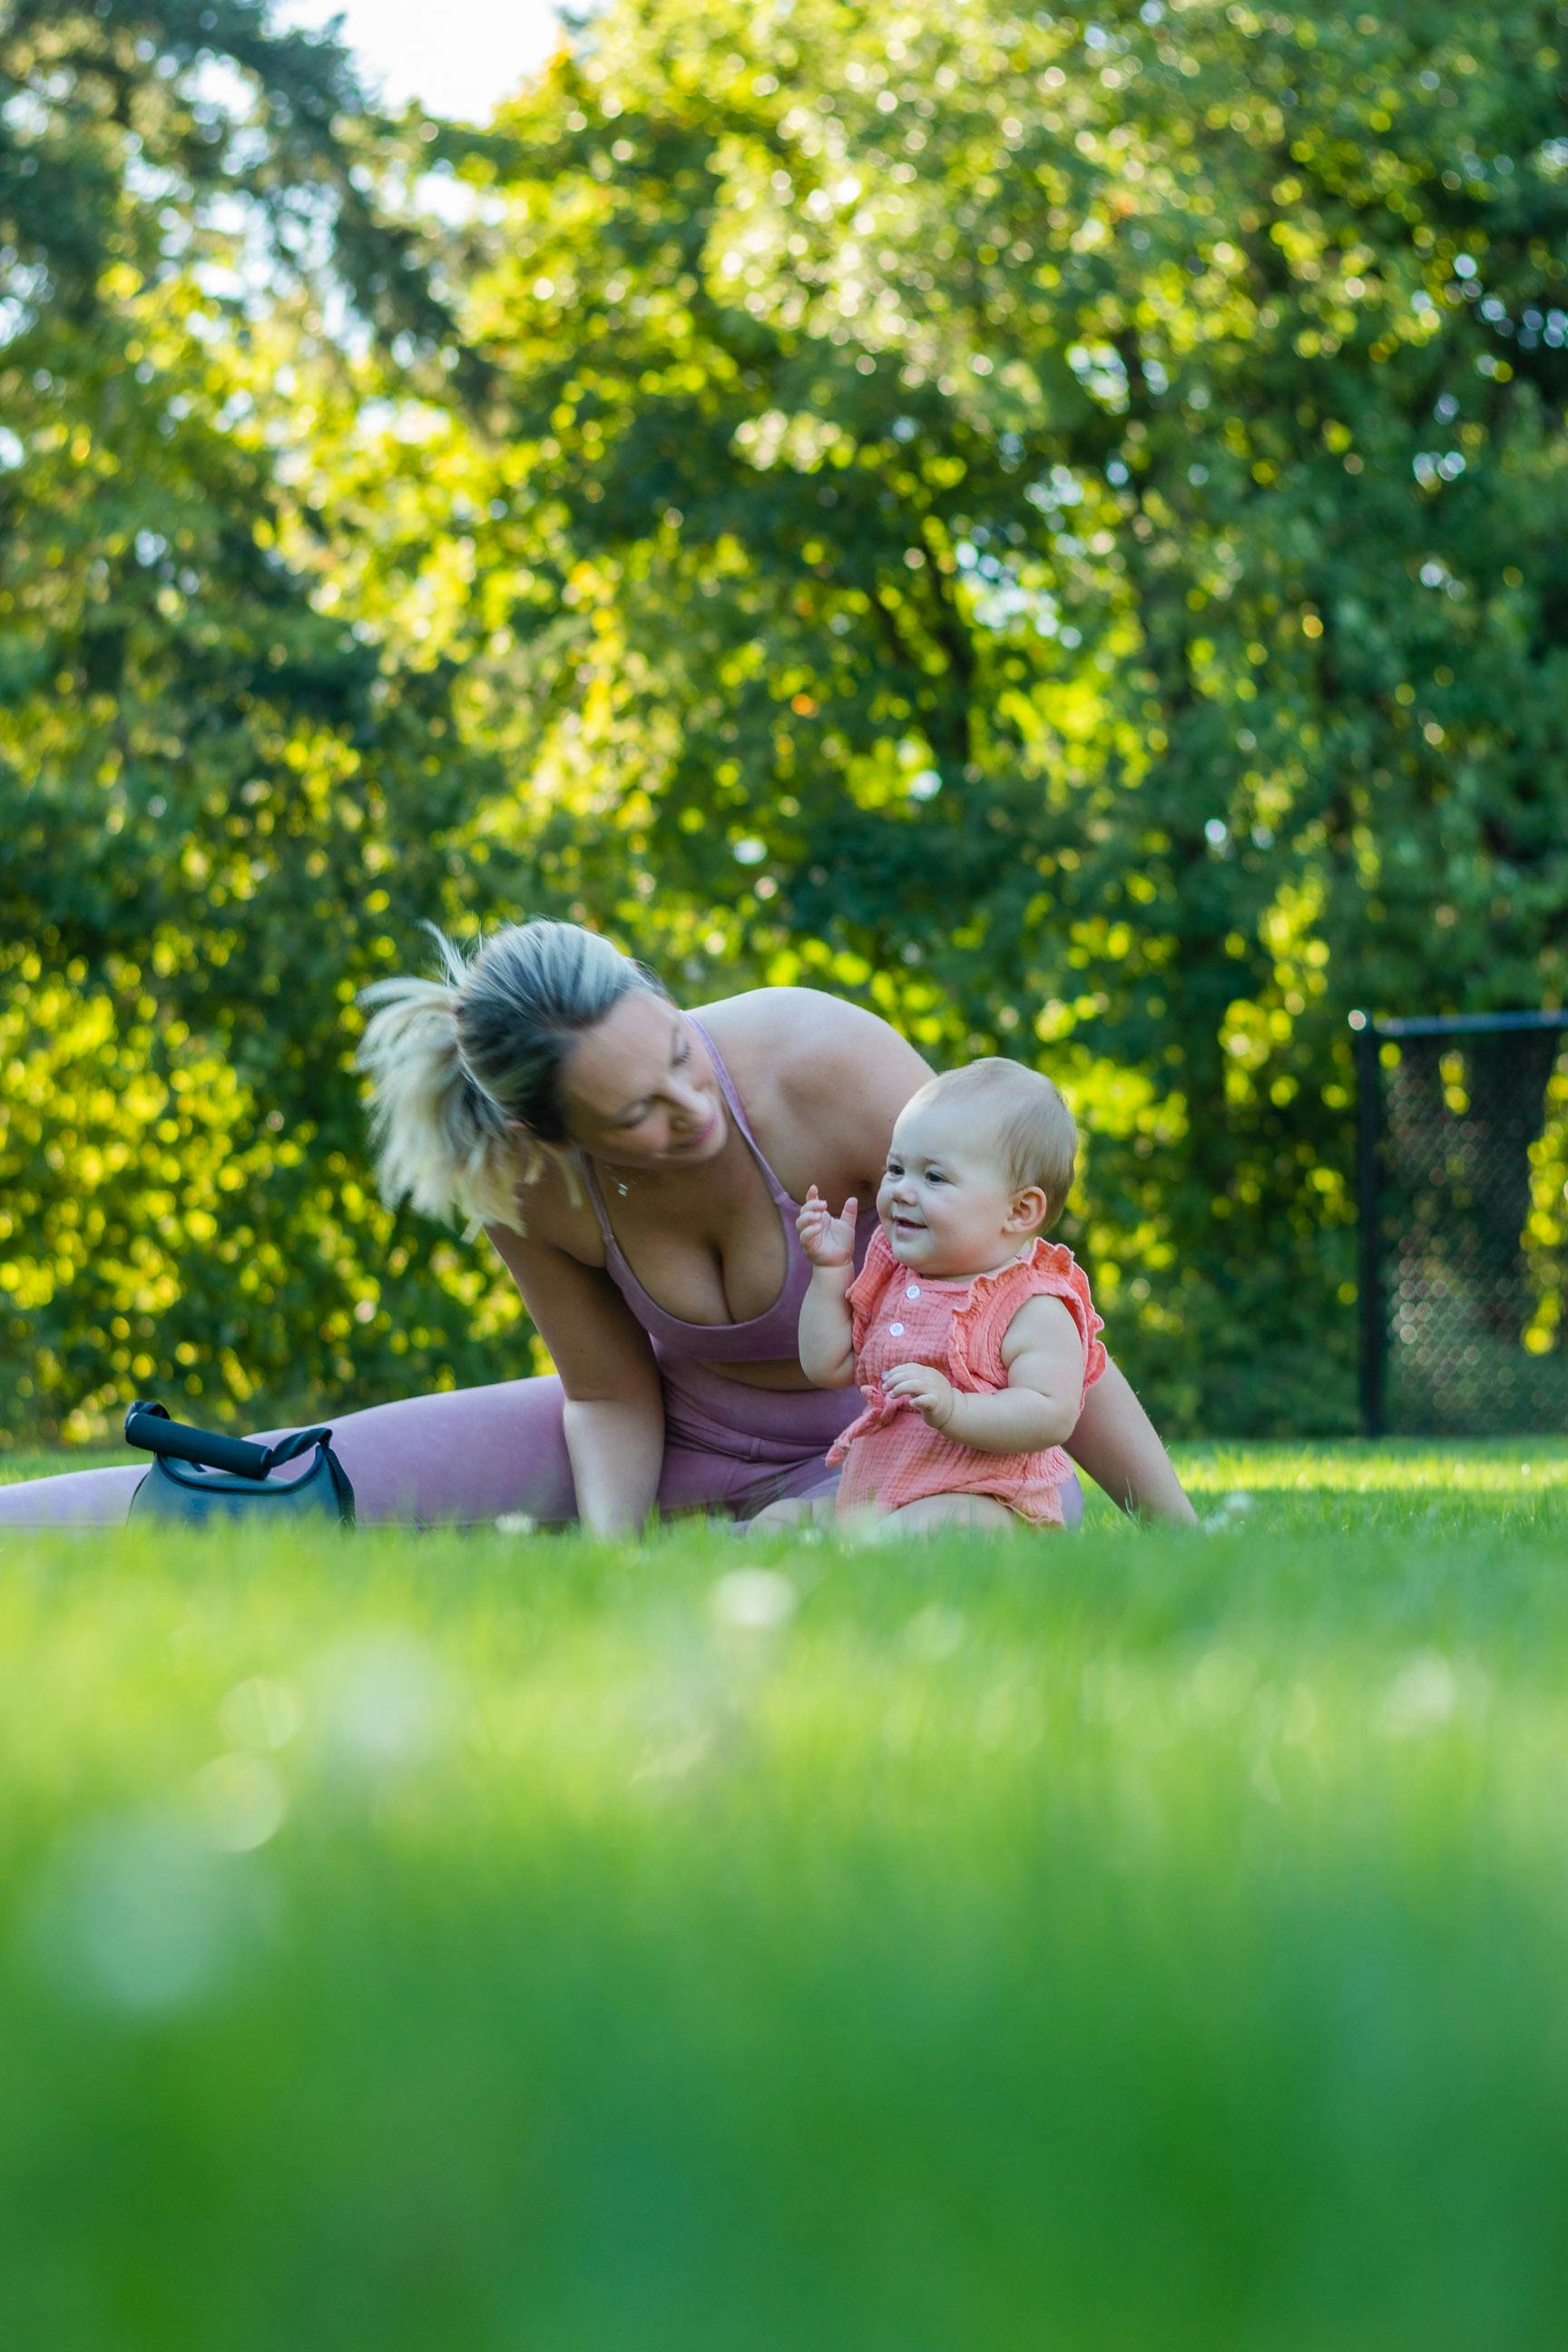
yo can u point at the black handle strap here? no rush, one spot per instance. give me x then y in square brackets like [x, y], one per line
[298, 1442]
[148, 1425]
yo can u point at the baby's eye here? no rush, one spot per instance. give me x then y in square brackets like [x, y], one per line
[935, 1176]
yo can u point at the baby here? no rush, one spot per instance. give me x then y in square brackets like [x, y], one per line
[973, 1337]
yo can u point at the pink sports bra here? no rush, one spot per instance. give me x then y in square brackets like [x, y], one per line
[769, 1337]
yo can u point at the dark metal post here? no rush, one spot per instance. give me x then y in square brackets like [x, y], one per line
[1369, 1139]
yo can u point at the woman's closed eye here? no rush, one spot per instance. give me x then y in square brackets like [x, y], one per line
[635, 1117]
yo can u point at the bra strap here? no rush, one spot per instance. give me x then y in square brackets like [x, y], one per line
[597, 1199]
[727, 1084]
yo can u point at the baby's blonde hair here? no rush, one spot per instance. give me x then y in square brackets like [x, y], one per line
[1023, 1119]
[454, 1062]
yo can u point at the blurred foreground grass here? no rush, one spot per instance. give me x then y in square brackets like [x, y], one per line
[1126, 1942]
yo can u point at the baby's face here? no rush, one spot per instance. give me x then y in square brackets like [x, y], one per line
[943, 1200]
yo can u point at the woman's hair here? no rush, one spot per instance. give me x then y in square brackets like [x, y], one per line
[452, 1062]
[1024, 1121]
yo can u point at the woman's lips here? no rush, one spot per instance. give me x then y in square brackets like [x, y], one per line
[693, 1141]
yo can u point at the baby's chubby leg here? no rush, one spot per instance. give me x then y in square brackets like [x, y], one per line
[936, 1514]
[791, 1511]
[932, 1515]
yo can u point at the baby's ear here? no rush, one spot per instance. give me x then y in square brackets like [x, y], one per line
[1030, 1209]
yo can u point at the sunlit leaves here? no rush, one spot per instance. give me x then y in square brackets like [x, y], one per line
[1085, 404]
[1052, 524]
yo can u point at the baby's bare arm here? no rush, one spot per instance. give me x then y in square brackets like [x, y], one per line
[826, 1354]
[1043, 1351]
[825, 1340]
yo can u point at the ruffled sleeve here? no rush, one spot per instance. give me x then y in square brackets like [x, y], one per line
[981, 1324]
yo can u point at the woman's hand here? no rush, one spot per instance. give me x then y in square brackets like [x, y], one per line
[931, 1392]
[827, 1240]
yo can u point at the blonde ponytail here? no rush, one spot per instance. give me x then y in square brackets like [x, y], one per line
[458, 1065]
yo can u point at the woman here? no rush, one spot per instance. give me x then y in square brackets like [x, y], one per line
[640, 1171]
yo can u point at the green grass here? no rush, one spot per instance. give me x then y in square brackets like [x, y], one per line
[1136, 1942]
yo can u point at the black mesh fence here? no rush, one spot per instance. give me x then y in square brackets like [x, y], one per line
[1464, 1224]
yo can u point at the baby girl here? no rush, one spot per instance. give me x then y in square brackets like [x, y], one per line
[973, 1337]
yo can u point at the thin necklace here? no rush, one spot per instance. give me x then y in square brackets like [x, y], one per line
[622, 1187]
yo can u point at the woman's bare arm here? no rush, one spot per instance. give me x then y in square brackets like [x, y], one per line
[1118, 1444]
[614, 1413]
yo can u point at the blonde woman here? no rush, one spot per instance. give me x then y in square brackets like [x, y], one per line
[641, 1171]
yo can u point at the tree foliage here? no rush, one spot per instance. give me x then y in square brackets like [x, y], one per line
[1056, 524]
[206, 769]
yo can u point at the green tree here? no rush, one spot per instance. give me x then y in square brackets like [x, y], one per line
[1058, 524]
[211, 787]
[1061, 523]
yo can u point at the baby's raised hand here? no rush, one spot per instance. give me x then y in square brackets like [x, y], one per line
[827, 1240]
[931, 1392]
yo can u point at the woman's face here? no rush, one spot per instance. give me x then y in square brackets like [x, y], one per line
[640, 1088]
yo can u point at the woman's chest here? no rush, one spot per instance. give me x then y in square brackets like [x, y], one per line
[728, 1269]
[713, 1252]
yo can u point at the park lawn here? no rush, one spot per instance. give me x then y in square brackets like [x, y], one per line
[1129, 1941]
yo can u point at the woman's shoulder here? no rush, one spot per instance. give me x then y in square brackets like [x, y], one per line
[832, 1068]
[800, 1023]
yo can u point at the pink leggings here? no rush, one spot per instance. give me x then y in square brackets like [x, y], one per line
[465, 1456]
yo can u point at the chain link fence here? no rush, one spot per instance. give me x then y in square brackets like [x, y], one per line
[1463, 1183]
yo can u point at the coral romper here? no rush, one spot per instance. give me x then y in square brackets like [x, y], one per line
[889, 1455]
